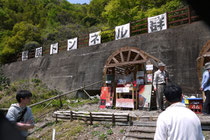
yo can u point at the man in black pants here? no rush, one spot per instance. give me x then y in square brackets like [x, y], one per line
[205, 86]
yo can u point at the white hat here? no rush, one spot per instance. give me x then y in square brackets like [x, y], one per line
[161, 64]
[207, 66]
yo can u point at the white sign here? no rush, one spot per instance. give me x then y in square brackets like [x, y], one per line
[122, 31]
[38, 52]
[54, 48]
[24, 55]
[125, 103]
[149, 67]
[122, 90]
[72, 44]
[94, 38]
[157, 23]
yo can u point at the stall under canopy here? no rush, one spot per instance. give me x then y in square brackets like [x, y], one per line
[121, 64]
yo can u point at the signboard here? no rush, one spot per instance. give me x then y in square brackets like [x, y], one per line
[38, 52]
[106, 98]
[149, 78]
[72, 44]
[145, 96]
[122, 90]
[125, 103]
[149, 67]
[24, 55]
[157, 23]
[94, 38]
[122, 31]
[54, 48]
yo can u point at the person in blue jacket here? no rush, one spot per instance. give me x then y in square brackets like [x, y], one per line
[205, 86]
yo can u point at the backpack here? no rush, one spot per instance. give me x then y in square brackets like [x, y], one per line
[21, 116]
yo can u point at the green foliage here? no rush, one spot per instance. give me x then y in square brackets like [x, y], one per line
[95, 133]
[122, 130]
[22, 33]
[31, 45]
[4, 81]
[102, 136]
[109, 132]
[27, 24]
[107, 35]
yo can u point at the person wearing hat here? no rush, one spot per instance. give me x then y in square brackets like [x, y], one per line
[205, 86]
[159, 82]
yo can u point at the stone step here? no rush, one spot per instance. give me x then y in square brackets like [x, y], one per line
[130, 135]
[144, 123]
[142, 129]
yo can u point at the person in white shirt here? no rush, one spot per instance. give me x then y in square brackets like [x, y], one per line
[159, 83]
[177, 122]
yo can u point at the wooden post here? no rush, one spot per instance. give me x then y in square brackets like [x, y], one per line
[56, 119]
[113, 120]
[128, 118]
[167, 25]
[189, 15]
[61, 104]
[91, 119]
[71, 117]
[130, 121]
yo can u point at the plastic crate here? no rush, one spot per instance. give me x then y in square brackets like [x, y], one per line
[196, 105]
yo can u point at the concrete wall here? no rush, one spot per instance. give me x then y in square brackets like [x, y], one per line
[178, 47]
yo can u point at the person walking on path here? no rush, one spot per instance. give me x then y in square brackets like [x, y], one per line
[159, 82]
[20, 114]
[205, 86]
[177, 122]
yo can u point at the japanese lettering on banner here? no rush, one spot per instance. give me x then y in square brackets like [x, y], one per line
[122, 31]
[157, 23]
[24, 55]
[94, 38]
[72, 44]
[38, 52]
[54, 48]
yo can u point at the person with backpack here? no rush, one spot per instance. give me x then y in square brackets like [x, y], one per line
[20, 114]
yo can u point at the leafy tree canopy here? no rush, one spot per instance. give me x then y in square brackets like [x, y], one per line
[26, 24]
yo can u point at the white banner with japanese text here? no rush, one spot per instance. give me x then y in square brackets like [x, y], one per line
[157, 23]
[94, 38]
[122, 31]
[38, 52]
[24, 55]
[72, 44]
[54, 48]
